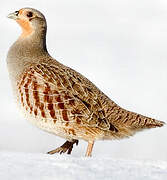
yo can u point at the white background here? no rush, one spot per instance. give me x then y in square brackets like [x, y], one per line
[119, 45]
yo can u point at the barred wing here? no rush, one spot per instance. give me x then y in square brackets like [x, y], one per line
[58, 93]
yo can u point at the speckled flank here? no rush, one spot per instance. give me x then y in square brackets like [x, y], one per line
[48, 92]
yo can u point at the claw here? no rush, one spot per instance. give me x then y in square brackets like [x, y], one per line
[66, 147]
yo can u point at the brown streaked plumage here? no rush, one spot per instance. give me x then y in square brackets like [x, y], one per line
[58, 99]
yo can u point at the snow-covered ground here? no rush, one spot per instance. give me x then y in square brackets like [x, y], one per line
[25, 166]
[119, 45]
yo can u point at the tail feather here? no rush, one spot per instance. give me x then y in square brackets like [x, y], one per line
[137, 121]
[155, 123]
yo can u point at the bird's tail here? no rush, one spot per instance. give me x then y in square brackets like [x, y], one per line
[139, 122]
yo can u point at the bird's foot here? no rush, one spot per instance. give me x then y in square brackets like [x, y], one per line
[66, 147]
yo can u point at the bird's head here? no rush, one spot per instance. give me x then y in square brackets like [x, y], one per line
[31, 21]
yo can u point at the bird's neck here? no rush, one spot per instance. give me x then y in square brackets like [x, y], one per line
[30, 47]
[25, 52]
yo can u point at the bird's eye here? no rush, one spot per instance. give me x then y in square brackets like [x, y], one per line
[29, 14]
[17, 13]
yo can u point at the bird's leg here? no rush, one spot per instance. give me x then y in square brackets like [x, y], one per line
[89, 149]
[66, 147]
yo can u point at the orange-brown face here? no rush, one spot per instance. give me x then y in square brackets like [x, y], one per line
[24, 21]
[24, 18]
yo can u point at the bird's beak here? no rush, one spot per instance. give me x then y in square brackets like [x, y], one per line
[13, 15]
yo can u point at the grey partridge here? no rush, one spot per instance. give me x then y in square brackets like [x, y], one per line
[60, 100]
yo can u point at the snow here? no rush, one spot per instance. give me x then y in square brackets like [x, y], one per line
[26, 166]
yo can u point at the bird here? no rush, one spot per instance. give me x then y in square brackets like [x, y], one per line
[60, 100]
